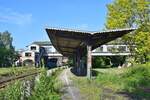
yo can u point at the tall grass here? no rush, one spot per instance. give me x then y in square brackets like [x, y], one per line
[137, 77]
[17, 70]
[89, 90]
[134, 80]
[12, 92]
[109, 80]
[44, 89]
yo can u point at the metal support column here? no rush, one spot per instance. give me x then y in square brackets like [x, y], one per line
[89, 61]
[78, 62]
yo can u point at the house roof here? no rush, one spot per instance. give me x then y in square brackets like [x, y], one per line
[42, 43]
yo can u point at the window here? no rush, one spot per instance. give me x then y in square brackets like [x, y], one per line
[48, 49]
[33, 47]
[28, 54]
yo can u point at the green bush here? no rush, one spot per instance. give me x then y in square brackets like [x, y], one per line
[117, 60]
[134, 80]
[108, 80]
[44, 89]
[12, 92]
[100, 62]
[135, 77]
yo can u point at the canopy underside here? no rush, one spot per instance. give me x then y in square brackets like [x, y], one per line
[67, 42]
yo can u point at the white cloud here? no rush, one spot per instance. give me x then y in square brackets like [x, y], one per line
[7, 15]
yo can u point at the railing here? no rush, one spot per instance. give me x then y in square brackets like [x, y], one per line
[110, 54]
[112, 48]
[53, 54]
[104, 50]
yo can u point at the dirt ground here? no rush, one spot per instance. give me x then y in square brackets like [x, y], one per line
[69, 91]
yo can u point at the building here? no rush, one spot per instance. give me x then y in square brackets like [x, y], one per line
[41, 53]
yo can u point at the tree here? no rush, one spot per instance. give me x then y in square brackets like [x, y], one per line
[132, 13]
[7, 53]
[100, 62]
[6, 40]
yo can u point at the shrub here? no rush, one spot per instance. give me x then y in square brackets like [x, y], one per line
[44, 89]
[12, 92]
[100, 62]
[109, 80]
[135, 77]
[131, 80]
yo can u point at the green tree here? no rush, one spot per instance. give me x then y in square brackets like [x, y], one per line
[132, 13]
[100, 62]
[7, 52]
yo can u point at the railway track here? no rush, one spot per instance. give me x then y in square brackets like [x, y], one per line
[9, 80]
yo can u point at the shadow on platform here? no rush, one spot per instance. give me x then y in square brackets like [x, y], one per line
[82, 72]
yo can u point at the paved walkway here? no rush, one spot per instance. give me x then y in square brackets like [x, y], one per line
[69, 91]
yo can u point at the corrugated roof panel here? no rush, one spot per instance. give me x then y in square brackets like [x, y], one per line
[62, 38]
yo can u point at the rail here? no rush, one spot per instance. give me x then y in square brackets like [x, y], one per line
[4, 83]
[9, 80]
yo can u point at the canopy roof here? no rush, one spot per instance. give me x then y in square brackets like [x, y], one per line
[67, 42]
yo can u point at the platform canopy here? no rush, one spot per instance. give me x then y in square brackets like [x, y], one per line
[67, 42]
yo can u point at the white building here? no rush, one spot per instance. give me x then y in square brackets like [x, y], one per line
[41, 52]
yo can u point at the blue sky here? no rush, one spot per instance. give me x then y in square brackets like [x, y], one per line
[26, 20]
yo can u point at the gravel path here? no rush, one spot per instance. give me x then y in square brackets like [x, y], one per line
[69, 91]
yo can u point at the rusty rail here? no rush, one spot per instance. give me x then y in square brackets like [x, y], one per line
[9, 80]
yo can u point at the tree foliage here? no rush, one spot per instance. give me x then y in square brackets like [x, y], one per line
[101, 62]
[7, 53]
[132, 13]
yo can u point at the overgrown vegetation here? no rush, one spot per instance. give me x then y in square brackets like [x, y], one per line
[89, 89]
[100, 62]
[12, 92]
[109, 61]
[45, 88]
[134, 80]
[17, 70]
[125, 83]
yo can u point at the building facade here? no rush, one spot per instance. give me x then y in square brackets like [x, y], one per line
[41, 53]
